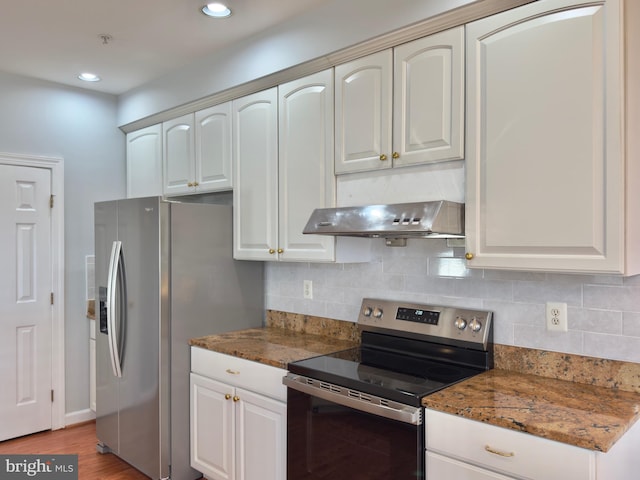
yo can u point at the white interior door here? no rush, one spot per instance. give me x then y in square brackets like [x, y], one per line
[25, 305]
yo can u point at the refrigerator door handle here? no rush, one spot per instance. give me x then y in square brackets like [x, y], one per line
[112, 281]
[122, 318]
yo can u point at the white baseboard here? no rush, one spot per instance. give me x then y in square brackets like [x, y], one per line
[79, 416]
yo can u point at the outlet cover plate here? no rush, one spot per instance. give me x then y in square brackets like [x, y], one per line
[556, 317]
[307, 289]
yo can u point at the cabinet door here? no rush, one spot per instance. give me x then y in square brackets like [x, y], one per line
[144, 162]
[213, 148]
[179, 157]
[364, 93]
[261, 436]
[255, 161]
[212, 428]
[306, 178]
[428, 103]
[545, 181]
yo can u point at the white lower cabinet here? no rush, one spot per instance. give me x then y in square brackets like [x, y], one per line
[463, 449]
[238, 418]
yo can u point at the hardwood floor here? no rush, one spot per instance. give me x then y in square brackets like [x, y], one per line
[78, 439]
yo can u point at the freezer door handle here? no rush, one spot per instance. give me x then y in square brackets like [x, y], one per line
[115, 332]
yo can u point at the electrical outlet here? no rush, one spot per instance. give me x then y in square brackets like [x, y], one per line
[556, 317]
[307, 289]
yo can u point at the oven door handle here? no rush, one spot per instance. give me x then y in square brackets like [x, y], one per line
[356, 400]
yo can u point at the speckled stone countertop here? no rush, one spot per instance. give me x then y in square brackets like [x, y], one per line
[282, 342]
[582, 415]
[583, 401]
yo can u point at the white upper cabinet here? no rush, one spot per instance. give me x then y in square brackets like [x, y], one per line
[213, 148]
[197, 152]
[402, 106]
[547, 148]
[179, 155]
[306, 179]
[144, 162]
[364, 92]
[283, 147]
[255, 195]
[428, 99]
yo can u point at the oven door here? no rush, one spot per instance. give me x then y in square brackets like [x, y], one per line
[334, 432]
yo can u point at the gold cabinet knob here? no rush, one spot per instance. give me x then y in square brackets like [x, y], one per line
[190, 184]
[395, 155]
[280, 250]
[227, 396]
[271, 251]
[236, 398]
[383, 157]
[468, 256]
[195, 184]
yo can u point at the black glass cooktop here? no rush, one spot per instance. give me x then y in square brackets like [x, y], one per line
[394, 375]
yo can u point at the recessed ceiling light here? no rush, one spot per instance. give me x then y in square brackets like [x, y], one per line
[216, 10]
[89, 77]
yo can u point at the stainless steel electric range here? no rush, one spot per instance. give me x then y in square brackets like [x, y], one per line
[357, 414]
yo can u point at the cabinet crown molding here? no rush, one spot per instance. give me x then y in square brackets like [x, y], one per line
[453, 18]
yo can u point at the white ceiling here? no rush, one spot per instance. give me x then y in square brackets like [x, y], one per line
[58, 39]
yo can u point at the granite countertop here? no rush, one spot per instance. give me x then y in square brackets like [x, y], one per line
[587, 416]
[272, 345]
[582, 401]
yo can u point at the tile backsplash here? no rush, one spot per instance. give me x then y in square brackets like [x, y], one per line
[603, 310]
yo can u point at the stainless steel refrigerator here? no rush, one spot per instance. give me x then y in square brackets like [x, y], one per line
[164, 274]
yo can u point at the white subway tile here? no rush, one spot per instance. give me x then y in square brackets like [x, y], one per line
[595, 321]
[542, 292]
[612, 298]
[614, 347]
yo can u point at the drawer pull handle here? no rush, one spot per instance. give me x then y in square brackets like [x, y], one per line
[499, 452]
[232, 372]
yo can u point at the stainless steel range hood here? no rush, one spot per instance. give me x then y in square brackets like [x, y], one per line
[436, 219]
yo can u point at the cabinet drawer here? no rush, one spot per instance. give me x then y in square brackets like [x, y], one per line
[506, 451]
[440, 467]
[254, 376]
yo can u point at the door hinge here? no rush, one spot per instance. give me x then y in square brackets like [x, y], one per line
[51, 298]
[50, 201]
[51, 396]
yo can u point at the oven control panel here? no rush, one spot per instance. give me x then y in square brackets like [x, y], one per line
[418, 315]
[467, 325]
